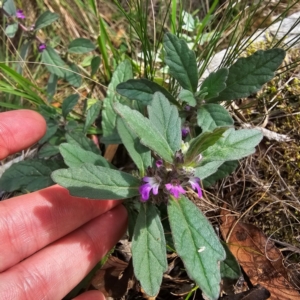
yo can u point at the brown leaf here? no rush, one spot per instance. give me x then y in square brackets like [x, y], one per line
[258, 292]
[258, 256]
[114, 278]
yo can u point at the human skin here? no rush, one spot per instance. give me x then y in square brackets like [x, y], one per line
[49, 239]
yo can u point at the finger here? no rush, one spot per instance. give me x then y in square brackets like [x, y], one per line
[30, 222]
[19, 130]
[53, 271]
[91, 295]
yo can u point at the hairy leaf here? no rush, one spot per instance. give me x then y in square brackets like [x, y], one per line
[51, 87]
[188, 97]
[214, 83]
[207, 169]
[149, 135]
[48, 150]
[52, 128]
[248, 75]
[53, 62]
[197, 244]
[11, 30]
[92, 114]
[79, 139]
[9, 7]
[140, 154]
[109, 117]
[142, 90]
[223, 171]
[81, 45]
[45, 19]
[165, 117]
[211, 116]
[230, 269]
[95, 64]
[181, 61]
[201, 143]
[149, 249]
[235, 144]
[75, 156]
[72, 75]
[95, 182]
[68, 104]
[29, 175]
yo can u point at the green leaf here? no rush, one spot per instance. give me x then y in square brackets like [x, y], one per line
[72, 75]
[95, 64]
[30, 175]
[49, 112]
[207, 169]
[113, 138]
[81, 45]
[197, 244]
[133, 208]
[149, 249]
[201, 143]
[149, 135]
[52, 128]
[11, 29]
[57, 66]
[140, 154]
[9, 7]
[53, 62]
[68, 104]
[211, 116]
[95, 182]
[188, 97]
[109, 117]
[45, 19]
[75, 156]
[48, 150]
[223, 171]
[79, 139]
[230, 269]
[248, 75]
[92, 114]
[142, 90]
[51, 87]
[214, 83]
[165, 118]
[181, 61]
[233, 145]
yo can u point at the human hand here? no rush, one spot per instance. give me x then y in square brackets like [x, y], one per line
[49, 239]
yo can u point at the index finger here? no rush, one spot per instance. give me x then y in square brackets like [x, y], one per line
[19, 130]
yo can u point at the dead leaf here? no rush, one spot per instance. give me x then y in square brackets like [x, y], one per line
[114, 278]
[258, 256]
[258, 292]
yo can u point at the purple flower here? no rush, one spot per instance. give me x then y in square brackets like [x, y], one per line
[42, 47]
[194, 182]
[152, 184]
[175, 189]
[159, 163]
[185, 131]
[20, 14]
